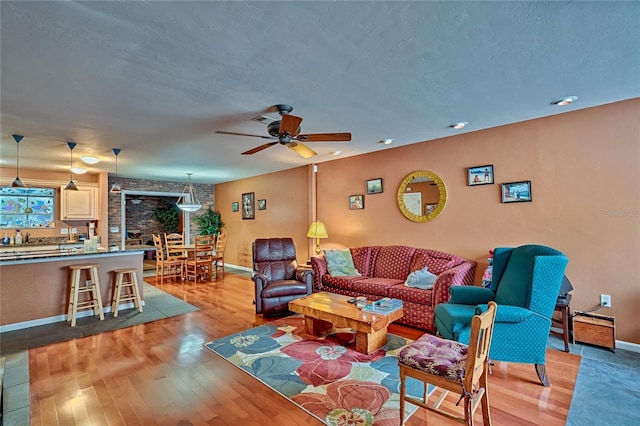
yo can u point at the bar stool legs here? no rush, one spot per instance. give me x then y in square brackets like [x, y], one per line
[77, 288]
[126, 278]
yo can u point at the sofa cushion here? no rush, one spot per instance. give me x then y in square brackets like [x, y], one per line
[345, 283]
[409, 294]
[393, 262]
[340, 263]
[421, 278]
[436, 261]
[377, 286]
[362, 259]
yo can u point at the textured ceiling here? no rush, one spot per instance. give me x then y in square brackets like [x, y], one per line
[156, 79]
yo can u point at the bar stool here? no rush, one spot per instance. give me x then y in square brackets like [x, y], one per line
[126, 278]
[94, 303]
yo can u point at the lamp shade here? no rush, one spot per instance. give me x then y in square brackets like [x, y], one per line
[317, 230]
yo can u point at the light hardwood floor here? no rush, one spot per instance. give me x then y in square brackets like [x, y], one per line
[159, 373]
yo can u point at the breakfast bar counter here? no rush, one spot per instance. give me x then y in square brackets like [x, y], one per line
[34, 285]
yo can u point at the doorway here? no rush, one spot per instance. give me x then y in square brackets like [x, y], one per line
[186, 216]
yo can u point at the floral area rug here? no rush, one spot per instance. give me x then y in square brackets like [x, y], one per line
[324, 376]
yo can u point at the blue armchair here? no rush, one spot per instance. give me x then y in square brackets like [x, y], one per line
[525, 285]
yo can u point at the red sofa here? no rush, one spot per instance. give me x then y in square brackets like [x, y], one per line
[384, 270]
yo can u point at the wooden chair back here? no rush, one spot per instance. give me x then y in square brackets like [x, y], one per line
[479, 345]
[218, 258]
[171, 241]
[158, 244]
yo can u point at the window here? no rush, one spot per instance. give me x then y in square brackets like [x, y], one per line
[27, 208]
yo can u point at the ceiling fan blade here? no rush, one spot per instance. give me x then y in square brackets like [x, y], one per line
[259, 148]
[222, 132]
[301, 149]
[290, 124]
[325, 137]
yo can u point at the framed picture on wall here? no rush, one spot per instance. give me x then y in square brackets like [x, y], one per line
[480, 175]
[235, 206]
[516, 192]
[248, 206]
[356, 202]
[262, 204]
[374, 186]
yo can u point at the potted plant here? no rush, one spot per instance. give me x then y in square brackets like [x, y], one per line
[209, 222]
[167, 216]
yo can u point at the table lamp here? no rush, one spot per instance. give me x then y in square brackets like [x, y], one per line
[317, 230]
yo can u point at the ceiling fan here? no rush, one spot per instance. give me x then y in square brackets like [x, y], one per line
[286, 131]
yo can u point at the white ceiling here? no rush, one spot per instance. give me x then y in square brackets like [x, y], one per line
[156, 79]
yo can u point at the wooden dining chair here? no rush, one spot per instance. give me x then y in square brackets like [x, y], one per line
[218, 257]
[174, 243]
[451, 366]
[198, 265]
[165, 267]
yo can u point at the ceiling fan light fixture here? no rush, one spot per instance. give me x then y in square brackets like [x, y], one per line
[564, 101]
[17, 183]
[188, 201]
[90, 159]
[71, 186]
[459, 125]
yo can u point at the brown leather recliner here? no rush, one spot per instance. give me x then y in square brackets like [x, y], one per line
[277, 276]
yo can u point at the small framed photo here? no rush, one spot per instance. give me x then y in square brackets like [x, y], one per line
[248, 206]
[356, 202]
[516, 192]
[480, 175]
[262, 204]
[374, 186]
[235, 206]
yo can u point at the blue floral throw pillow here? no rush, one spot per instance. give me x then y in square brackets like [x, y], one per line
[340, 263]
[421, 279]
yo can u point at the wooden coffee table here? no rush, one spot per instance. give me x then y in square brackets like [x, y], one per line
[323, 311]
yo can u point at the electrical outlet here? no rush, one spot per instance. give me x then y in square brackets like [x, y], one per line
[605, 300]
[64, 231]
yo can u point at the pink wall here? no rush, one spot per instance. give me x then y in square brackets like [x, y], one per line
[585, 173]
[286, 215]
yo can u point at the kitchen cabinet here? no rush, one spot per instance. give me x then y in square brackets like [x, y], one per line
[79, 205]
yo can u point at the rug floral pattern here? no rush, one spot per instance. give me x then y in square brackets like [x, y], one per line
[325, 376]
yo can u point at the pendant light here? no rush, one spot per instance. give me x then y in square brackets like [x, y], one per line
[115, 188]
[17, 183]
[71, 186]
[192, 204]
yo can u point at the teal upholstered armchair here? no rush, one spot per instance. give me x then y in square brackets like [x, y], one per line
[525, 285]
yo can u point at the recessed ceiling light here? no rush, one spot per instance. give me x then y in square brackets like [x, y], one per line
[336, 152]
[458, 125]
[90, 159]
[565, 100]
[386, 141]
[79, 170]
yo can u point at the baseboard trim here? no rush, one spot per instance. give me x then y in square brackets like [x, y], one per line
[627, 346]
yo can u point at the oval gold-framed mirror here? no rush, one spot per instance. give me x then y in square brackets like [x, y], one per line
[422, 196]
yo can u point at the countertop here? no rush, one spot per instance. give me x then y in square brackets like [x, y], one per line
[48, 253]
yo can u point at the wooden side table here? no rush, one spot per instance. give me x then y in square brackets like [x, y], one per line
[563, 321]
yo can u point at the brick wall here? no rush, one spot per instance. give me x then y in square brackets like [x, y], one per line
[140, 216]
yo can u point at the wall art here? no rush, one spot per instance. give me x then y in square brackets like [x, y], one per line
[516, 192]
[480, 175]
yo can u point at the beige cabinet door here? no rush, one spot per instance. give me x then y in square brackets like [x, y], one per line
[80, 204]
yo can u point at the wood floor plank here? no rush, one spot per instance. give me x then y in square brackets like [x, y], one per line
[158, 373]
